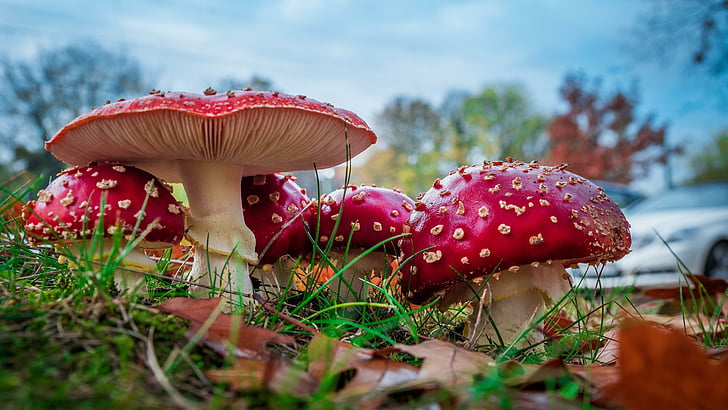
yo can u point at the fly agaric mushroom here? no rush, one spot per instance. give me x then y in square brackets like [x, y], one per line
[208, 143]
[355, 219]
[136, 205]
[277, 210]
[269, 203]
[503, 232]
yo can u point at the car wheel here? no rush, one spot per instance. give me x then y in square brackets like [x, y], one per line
[717, 264]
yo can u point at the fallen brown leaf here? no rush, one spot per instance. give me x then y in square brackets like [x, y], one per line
[701, 291]
[598, 381]
[374, 376]
[273, 375]
[446, 363]
[662, 368]
[329, 356]
[225, 331]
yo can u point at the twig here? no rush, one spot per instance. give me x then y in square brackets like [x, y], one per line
[285, 317]
[161, 377]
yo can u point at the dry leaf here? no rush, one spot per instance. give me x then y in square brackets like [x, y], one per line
[703, 290]
[226, 330]
[598, 380]
[701, 285]
[446, 363]
[330, 356]
[272, 374]
[693, 325]
[663, 368]
[375, 376]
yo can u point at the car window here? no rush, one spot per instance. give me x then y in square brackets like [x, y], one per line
[698, 196]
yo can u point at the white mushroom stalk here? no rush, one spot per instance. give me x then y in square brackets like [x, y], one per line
[216, 226]
[508, 305]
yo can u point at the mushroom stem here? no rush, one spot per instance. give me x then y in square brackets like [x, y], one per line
[130, 270]
[349, 286]
[225, 245]
[228, 272]
[512, 300]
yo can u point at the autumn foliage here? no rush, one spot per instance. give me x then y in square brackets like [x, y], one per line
[640, 361]
[600, 137]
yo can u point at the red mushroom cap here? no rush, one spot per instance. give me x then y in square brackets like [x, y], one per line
[482, 219]
[264, 131]
[69, 208]
[269, 202]
[373, 213]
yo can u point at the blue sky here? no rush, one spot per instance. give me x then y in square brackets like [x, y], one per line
[361, 54]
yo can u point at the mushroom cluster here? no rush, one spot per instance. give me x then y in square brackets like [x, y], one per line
[122, 203]
[208, 143]
[358, 224]
[501, 234]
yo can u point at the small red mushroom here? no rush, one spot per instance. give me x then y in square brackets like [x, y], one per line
[362, 216]
[353, 220]
[269, 203]
[208, 143]
[113, 200]
[507, 230]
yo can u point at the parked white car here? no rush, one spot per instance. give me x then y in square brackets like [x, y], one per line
[680, 230]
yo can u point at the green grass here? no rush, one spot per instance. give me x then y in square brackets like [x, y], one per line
[70, 339]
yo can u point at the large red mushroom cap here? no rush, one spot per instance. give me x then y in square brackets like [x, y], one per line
[70, 208]
[269, 203]
[266, 132]
[503, 215]
[370, 215]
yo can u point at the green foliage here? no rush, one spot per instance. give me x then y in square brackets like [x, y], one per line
[503, 121]
[421, 143]
[711, 163]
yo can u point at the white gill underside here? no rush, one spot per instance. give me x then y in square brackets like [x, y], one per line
[263, 140]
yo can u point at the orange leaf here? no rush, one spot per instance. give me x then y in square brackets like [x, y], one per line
[663, 368]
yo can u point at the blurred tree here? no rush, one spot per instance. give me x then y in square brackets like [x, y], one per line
[699, 25]
[504, 124]
[599, 136]
[408, 129]
[408, 126]
[712, 162]
[38, 97]
[421, 143]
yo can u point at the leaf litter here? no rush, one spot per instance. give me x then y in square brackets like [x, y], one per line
[643, 361]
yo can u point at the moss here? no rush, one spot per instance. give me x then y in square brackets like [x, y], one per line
[90, 357]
